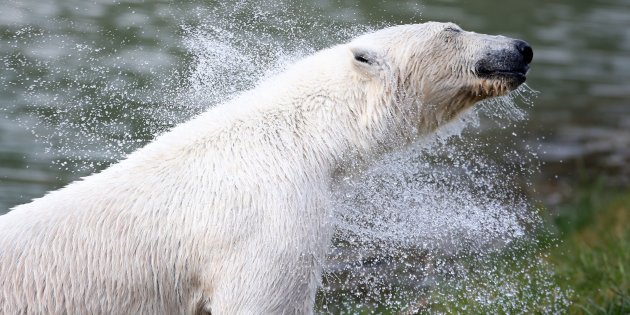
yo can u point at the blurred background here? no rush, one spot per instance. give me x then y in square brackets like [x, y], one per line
[82, 83]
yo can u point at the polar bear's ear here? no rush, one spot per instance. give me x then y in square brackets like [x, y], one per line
[366, 57]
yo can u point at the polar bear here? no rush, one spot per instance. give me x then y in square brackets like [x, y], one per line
[230, 212]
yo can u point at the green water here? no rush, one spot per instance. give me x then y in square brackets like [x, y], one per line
[83, 82]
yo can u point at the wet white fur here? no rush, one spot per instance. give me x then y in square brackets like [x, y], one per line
[229, 212]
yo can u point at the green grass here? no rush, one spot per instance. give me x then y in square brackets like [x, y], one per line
[593, 258]
[583, 267]
[578, 264]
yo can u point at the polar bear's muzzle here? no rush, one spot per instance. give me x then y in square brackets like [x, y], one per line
[508, 65]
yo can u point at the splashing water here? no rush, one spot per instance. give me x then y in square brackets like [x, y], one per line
[444, 221]
[440, 224]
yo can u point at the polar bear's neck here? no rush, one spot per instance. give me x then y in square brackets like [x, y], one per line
[311, 109]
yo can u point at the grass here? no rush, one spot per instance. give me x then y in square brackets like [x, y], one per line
[593, 258]
[578, 264]
[583, 268]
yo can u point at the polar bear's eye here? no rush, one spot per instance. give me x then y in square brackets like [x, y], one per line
[362, 58]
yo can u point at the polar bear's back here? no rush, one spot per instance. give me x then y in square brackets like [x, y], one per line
[137, 227]
[139, 236]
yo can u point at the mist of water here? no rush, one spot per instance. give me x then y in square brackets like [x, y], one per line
[446, 220]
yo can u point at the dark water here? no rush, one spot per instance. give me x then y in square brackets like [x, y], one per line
[83, 82]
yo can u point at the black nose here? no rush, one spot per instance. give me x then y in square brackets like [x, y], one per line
[525, 49]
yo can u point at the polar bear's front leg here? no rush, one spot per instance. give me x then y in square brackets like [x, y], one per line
[264, 284]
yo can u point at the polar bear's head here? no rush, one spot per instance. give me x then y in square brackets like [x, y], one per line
[443, 68]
